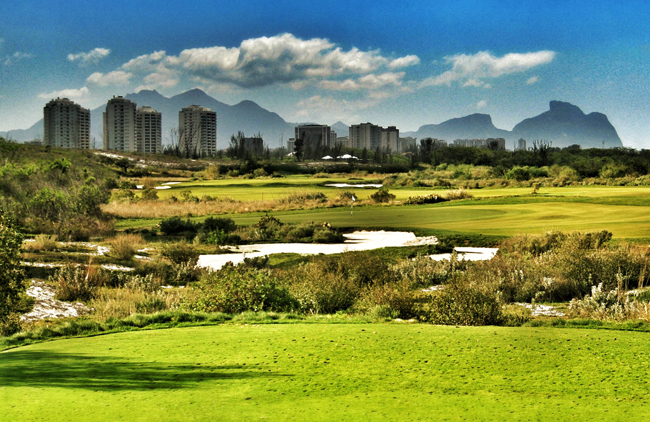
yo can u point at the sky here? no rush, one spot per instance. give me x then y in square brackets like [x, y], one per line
[398, 63]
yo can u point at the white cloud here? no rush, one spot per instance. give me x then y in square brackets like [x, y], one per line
[66, 93]
[404, 62]
[532, 80]
[91, 57]
[16, 57]
[481, 104]
[473, 68]
[115, 78]
[264, 61]
[369, 82]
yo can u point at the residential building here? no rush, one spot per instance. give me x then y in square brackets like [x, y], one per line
[365, 135]
[148, 125]
[66, 124]
[197, 127]
[313, 136]
[521, 144]
[390, 139]
[407, 144]
[291, 144]
[492, 143]
[119, 125]
[255, 146]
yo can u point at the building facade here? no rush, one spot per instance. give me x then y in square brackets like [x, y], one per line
[255, 146]
[197, 127]
[492, 143]
[313, 136]
[390, 139]
[66, 124]
[365, 135]
[521, 145]
[120, 125]
[148, 130]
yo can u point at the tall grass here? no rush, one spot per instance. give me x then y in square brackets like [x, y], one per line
[124, 246]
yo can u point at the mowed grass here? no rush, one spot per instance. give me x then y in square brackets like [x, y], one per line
[331, 372]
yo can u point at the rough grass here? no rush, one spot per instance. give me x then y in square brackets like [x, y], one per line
[331, 372]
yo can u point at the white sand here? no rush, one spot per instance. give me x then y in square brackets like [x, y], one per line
[468, 254]
[357, 241]
[46, 307]
[347, 185]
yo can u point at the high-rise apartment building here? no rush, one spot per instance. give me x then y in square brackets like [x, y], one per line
[120, 125]
[314, 136]
[390, 139]
[148, 130]
[66, 124]
[197, 128]
[365, 135]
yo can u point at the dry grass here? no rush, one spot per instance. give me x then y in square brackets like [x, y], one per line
[42, 243]
[124, 246]
[123, 302]
[166, 209]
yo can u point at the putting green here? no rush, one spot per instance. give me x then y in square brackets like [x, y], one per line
[331, 372]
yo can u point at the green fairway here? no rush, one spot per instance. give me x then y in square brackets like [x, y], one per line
[330, 372]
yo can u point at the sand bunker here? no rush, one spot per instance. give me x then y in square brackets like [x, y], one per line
[468, 254]
[347, 185]
[357, 241]
[46, 307]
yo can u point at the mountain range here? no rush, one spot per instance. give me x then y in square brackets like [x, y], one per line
[562, 125]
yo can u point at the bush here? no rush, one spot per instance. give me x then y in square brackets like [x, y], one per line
[233, 290]
[462, 304]
[179, 253]
[76, 282]
[42, 243]
[176, 225]
[382, 195]
[424, 199]
[226, 225]
[12, 278]
[124, 246]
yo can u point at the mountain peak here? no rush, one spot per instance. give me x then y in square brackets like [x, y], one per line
[561, 107]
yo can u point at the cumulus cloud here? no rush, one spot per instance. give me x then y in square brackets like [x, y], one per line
[115, 78]
[532, 80]
[265, 61]
[473, 68]
[369, 82]
[404, 62]
[91, 57]
[16, 57]
[66, 93]
[481, 104]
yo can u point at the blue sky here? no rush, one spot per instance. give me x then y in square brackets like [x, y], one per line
[403, 63]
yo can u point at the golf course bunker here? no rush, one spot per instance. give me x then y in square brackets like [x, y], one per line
[347, 185]
[357, 241]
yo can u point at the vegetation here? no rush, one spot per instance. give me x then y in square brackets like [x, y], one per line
[12, 283]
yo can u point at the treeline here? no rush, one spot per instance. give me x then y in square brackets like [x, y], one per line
[54, 191]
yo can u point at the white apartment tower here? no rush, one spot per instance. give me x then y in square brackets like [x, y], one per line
[148, 130]
[365, 135]
[66, 124]
[197, 128]
[390, 139]
[120, 125]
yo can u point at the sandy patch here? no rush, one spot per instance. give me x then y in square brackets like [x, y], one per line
[468, 254]
[357, 241]
[542, 310]
[46, 307]
[171, 183]
[347, 185]
[163, 187]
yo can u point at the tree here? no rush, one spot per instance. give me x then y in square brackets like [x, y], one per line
[12, 277]
[124, 164]
[298, 149]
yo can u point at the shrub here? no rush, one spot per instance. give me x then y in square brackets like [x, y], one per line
[43, 242]
[149, 194]
[519, 174]
[12, 277]
[76, 282]
[176, 225]
[424, 199]
[179, 253]
[382, 195]
[460, 303]
[454, 195]
[124, 246]
[233, 290]
[226, 225]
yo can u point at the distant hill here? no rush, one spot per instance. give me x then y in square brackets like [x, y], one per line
[468, 127]
[341, 129]
[565, 124]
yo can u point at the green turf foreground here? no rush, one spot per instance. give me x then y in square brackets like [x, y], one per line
[331, 372]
